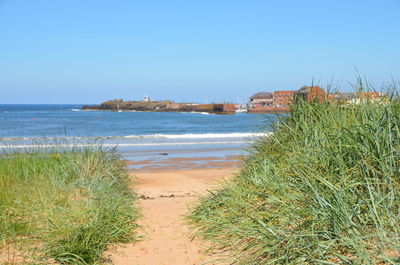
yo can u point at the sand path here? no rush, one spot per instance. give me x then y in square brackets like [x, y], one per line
[166, 196]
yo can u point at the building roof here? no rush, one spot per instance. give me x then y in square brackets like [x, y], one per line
[262, 95]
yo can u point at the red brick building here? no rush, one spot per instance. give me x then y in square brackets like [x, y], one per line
[311, 94]
[283, 98]
[280, 101]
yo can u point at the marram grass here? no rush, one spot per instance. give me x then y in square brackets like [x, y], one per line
[64, 206]
[323, 189]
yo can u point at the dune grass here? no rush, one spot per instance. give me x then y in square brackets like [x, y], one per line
[65, 206]
[323, 189]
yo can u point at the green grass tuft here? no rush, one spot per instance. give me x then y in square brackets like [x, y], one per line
[66, 205]
[323, 189]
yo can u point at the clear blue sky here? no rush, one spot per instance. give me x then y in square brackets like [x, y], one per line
[87, 51]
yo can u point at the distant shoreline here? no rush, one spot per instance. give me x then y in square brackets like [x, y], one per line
[120, 105]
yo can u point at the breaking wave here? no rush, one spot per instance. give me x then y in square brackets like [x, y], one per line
[143, 137]
[119, 144]
[196, 136]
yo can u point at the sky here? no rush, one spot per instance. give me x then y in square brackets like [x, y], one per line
[74, 51]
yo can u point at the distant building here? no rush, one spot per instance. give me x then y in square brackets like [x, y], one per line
[283, 98]
[146, 99]
[357, 98]
[261, 99]
[310, 94]
[279, 101]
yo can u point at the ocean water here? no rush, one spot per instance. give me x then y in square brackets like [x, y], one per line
[143, 133]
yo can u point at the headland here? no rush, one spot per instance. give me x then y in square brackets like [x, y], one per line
[162, 106]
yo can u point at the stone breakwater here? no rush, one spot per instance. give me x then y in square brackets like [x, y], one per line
[162, 106]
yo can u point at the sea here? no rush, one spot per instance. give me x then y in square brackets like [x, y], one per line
[145, 136]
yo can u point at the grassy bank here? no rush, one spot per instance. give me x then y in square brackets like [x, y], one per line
[323, 189]
[64, 206]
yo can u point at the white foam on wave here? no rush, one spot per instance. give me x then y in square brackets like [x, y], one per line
[146, 136]
[199, 112]
[117, 145]
[197, 136]
[75, 109]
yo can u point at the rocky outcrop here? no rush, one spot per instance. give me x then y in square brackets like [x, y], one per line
[161, 106]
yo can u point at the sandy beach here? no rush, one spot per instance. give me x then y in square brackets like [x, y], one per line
[166, 193]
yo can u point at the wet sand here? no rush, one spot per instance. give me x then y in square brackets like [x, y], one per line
[165, 195]
[184, 163]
